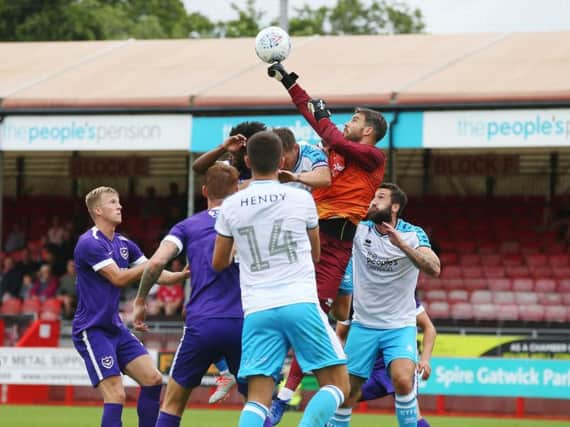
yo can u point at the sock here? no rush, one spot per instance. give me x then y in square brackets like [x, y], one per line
[341, 418]
[267, 423]
[422, 422]
[285, 394]
[148, 405]
[167, 420]
[222, 366]
[253, 414]
[322, 406]
[295, 375]
[407, 410]
[112, 415]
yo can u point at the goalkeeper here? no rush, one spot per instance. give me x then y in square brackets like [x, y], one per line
[357, 168]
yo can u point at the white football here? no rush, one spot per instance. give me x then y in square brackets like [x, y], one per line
[272, 44]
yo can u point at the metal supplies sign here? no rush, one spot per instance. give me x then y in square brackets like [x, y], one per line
[49, 366]
[505, 128]
[54, 366]
[95, 132]
[499, 377]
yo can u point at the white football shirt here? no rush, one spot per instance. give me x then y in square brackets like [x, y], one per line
[268, 222]
[384, 277]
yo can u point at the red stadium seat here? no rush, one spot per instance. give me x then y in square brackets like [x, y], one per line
[474, 284]
[11, 306]
[485, 312]
[512, 260]
[559, 260]
[492, 259]
[564, 285]
[550, 298]
[470, 260]
[516, 272]
[532, 313]
[566, 298]
[541, 272]
[481, 297]
[31, 306]
[461, 311]
[561, 272]
[523, 285]
[472, 272]
[439, 310]
[536, 260]
[494, 272]
[448, 258]
[545, 285]
[450, 284]
[508, 312]
[435, 295]
[503, 297]
[556, 313]
[526, 298]
[457, 295]
[509, 247]
[51, 309]
[451, 272]
[487, 248]
[465, 247]
[500, 284]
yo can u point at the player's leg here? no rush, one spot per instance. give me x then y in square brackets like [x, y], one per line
[361, 349]
[422, 422]
[340, 309]
[200, 345]
[399, 347]
[224, 382]
[98, 351]
[264, 347]
[377, 386]
[143, 370]
[319, 350]
[335, 255]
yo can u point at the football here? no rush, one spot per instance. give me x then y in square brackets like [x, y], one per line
[272, 44]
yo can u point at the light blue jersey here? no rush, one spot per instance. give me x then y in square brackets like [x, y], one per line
[310, 158]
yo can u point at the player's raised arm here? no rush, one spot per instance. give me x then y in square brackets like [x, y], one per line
[317, 115]
[231, 145]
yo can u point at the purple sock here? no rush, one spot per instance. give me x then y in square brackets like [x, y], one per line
[267, 423]
[167, 420]
[148, 405]
[112, 415]
[422, 422]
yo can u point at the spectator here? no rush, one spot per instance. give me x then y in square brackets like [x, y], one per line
[170, 298]
[27, 285]
[27, 264]
[16, 239]
[66, 292]
[11, 280]
[45, 285]
[56, 233]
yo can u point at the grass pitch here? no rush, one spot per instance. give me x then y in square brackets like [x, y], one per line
[65, 416]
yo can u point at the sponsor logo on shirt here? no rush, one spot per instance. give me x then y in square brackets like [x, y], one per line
[376, 263]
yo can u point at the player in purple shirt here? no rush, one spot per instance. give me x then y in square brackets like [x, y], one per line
[105, 262]
[214, 318]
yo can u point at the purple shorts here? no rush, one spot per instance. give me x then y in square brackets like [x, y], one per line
[107, 354]
[378, 385]
[203, 342]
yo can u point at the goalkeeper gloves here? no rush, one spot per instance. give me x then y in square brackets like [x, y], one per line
[278, 73]
[318, 108]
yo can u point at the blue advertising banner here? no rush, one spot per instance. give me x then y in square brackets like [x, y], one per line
[499, 377]
[209, 132]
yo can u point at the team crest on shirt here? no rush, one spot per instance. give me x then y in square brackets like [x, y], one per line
[107, 362]
[125, 252]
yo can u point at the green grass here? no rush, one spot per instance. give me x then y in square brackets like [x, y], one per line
[64, 416]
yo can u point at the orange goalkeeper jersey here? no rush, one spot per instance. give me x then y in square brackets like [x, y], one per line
[357, 169]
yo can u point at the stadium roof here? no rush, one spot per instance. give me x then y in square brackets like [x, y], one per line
[406, 70]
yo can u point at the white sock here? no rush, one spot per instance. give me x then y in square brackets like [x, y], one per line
[285, 394]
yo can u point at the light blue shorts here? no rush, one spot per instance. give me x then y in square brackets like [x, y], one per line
[268, 335]
[364, 344]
